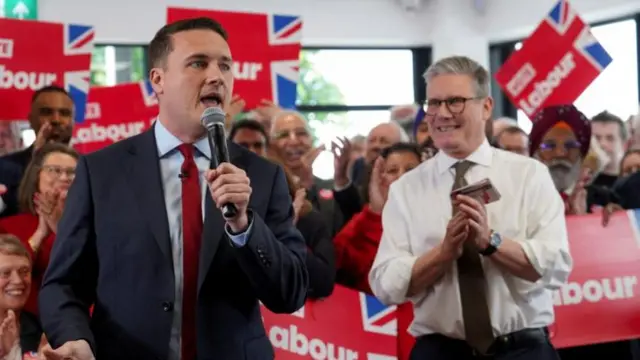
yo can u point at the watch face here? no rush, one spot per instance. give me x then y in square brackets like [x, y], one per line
[495, 239]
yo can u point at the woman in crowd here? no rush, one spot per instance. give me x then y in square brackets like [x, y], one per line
[41, 199]
[312, 226]
[20, 332]
[357, 243]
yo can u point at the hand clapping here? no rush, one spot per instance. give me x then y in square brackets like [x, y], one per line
[475, 217]
[230, 184]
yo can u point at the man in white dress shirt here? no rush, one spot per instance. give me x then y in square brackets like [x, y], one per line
[480, 277]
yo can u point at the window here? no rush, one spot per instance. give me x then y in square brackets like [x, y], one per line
[616, 88]
[347, 92]
[329, 125]
[356, 77]
[111, 65]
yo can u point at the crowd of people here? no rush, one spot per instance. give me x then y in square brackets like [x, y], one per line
[365, 229]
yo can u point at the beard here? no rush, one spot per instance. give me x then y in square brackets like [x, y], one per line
[563, 173]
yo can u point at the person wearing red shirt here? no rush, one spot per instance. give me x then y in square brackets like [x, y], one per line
[357, 243]
[41, 198]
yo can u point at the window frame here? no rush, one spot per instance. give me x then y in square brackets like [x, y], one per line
[145, 58]
[500, 52]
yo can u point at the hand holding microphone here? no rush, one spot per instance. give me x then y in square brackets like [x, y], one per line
[229, 185]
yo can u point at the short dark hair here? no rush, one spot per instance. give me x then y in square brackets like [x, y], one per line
[161, 44]
[606, 117]
[402, 147]
[248, 124]
[48, 89]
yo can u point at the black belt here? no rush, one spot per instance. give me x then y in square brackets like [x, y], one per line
[517, 340]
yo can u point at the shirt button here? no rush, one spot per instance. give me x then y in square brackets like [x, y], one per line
[167, 306]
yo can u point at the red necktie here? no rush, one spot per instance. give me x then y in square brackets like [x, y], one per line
[191, 238]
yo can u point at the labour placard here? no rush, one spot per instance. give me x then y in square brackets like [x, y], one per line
[35, 54]
[555, 64]
[265, 49]
[115, 113]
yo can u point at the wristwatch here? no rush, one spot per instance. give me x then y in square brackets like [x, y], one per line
[494, 241]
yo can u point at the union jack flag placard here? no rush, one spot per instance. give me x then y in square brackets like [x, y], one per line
[265, 49]
[60, 55]
[556, 63]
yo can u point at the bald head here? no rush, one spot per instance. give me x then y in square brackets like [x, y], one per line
[502, 123]
[383, 136]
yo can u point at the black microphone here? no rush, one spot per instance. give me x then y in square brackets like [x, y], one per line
[213, 119]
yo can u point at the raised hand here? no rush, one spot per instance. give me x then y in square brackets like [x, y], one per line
[341, 149]
[378, 190]
[9, 333]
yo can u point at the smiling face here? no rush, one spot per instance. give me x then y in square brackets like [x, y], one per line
[291, 139]
[455, 114]
[15, 281]
[197, 74]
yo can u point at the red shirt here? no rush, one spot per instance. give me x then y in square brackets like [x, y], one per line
[23, 226]
[356, 246]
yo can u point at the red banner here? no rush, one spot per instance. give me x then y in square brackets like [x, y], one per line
[555, 64]
[35, 54]
[265, 49]
[115, 113]
[603, 288]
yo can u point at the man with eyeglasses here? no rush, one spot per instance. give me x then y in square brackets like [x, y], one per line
[478, 274]
[560, 139]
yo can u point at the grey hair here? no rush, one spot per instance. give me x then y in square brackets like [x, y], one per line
[461, 65]
[285, 112]
[404, 137]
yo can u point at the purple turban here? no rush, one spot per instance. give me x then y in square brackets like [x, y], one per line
[550, 116]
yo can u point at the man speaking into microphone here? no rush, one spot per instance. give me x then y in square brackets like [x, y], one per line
[143, 238]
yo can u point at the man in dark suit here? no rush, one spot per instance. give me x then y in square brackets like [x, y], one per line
[132, 239]
[10, 176]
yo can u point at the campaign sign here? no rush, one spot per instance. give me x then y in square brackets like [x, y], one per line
[555, 64]
[265, 50]
[346, 326]
[599, 303]
[35, 54]
[115, 113]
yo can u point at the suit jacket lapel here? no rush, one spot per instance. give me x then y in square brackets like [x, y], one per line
[146, 180]
[213, 230]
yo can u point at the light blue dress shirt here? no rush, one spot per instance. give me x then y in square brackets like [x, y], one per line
[170, 163]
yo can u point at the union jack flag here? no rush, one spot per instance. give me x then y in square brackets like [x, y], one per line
[285, 30]
[78, 40]
[587, 45]
[148, 95]
[77, 84]
[561, 16]
[377, 317]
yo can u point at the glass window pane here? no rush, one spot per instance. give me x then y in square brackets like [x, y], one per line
[616, 88]
[327, 126]
[356, 77]
[111, 65]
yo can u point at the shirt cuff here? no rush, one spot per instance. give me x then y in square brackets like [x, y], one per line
[239, 240]
[340, 188]
[2, 205]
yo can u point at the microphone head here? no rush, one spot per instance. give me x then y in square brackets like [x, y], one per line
[212, 116]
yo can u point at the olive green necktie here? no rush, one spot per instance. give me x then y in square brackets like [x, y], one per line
[473, 297]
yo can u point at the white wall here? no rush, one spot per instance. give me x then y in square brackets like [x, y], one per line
[450, 26]
[326, 22]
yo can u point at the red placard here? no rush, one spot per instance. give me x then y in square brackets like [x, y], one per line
[348, 325]
[115, 113]
[35, 54]
[603, 288]
[265, 49]
[555, 64]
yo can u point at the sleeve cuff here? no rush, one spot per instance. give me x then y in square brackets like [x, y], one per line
[239, 240]
[341, 188]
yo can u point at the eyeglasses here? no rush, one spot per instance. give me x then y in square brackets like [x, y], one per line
[569, 145]
[57, 171]
[455, 105]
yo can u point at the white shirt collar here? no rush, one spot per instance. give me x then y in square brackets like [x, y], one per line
[481, 156]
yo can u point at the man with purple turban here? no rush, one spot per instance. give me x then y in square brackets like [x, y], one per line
[560, 138]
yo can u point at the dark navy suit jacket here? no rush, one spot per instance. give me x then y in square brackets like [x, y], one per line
[10, 176]
[113, 250]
